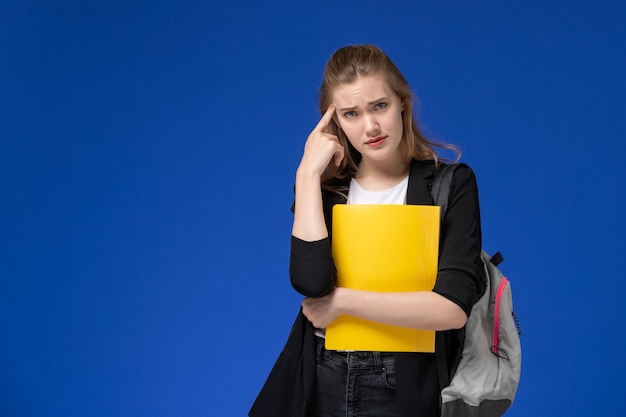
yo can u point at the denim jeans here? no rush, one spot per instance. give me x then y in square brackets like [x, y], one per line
[354, 384]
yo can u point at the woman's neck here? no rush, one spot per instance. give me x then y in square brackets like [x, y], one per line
[375, 176]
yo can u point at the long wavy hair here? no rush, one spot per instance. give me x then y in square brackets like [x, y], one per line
[345, 66]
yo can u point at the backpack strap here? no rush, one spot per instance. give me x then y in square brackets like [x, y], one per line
[440, 192]
[440, 189]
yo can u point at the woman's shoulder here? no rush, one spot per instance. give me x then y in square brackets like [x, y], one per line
[430, 167]
[427, 171]
[461, 169]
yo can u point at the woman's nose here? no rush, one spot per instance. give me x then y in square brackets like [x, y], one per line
[371, 125]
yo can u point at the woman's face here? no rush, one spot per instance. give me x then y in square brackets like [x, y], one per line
[370, 114]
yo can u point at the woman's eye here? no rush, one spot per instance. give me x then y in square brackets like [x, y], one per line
[350, 114]
[381, 106]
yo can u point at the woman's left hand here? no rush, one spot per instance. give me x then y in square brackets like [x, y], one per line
[322, 311]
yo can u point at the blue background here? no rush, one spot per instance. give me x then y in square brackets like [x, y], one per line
[147, 160]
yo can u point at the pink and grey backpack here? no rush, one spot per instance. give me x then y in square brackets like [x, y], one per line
[487, 375]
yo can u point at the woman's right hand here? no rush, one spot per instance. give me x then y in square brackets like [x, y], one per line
[321, 147]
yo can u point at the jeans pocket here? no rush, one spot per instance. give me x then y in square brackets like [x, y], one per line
[388, 377]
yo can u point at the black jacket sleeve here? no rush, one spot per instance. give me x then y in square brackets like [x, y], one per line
[311, 267]
[458, 278]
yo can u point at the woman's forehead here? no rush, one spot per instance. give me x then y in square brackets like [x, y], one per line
[363, 90]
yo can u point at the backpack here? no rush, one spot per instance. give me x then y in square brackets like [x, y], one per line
[488, 371]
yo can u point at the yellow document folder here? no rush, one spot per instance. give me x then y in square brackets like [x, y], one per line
[387, 248]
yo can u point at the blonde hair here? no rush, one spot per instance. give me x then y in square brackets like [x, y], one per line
[345, 66]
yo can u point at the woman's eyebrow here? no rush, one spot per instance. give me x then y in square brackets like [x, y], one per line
[369, 103]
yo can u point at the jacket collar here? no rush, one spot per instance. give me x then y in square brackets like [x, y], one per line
[421, 175]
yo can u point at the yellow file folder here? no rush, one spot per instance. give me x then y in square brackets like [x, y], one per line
[386, 248]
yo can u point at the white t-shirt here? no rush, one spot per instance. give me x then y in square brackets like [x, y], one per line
[394, 195]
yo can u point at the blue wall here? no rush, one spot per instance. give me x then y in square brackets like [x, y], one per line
[147, 157]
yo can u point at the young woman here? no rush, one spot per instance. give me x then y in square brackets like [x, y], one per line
[367, 148]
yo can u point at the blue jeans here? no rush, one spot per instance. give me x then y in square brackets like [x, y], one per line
[354, 384]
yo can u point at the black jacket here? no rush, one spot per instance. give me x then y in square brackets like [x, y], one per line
[288, 387]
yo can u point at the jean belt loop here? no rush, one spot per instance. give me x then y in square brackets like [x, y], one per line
[377, 359]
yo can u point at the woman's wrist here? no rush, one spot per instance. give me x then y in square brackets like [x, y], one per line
[343, 300]
[305, 173]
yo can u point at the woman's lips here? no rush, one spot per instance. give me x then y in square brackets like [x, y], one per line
[377, 141]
